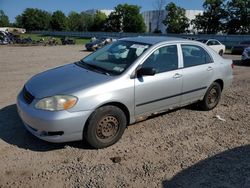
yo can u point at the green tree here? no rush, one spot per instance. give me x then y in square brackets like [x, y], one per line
[114, 23]
[34, 19]
[238, 16]
[58, 21]
[213, 19]
[126, 18]
[18, 22]
[86, 21]
[74, 21]
[176, 20]
[80, 22]
[99, 21]
[4, 19]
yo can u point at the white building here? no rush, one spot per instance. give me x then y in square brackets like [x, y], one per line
[151, 19]
[191, 14]
[105, 11]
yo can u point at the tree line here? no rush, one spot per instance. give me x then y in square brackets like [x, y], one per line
[225, 16]
[220, 16]
[124, 18]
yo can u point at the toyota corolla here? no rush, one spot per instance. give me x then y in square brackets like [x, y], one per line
[97, 97]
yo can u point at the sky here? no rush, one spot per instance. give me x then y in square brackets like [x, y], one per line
[12, 8]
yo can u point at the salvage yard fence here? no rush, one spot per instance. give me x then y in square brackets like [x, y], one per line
[228, 40]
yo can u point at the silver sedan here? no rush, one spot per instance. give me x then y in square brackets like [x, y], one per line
[97, 97]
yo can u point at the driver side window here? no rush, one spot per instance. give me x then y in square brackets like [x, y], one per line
[163, 59]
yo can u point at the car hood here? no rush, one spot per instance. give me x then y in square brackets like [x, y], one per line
[66, 79]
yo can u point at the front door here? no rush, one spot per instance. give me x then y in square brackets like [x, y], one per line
[161, 91]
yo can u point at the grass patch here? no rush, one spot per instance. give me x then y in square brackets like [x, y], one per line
[37, 37]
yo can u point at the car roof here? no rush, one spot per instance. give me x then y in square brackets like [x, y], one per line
[152, 39]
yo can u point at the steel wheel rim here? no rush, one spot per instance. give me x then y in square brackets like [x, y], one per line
[107, 127]
[212, 97]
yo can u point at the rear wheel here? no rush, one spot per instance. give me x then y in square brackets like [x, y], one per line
[212, 97]
[105, 126]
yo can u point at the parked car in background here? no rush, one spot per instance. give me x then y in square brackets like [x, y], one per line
[215, 45]
[246, 55]
[96, 44]
[238, 49]
[97, 97]
[4, 39]
[67, 41]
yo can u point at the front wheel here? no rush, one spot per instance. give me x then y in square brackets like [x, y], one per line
[105, 126]
[221, 53]
[212, 97]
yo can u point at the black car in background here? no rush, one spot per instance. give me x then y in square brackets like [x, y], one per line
[67, 41]
[238, 49]
[98, 43]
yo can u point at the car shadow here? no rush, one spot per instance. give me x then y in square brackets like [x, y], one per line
[13, 132]
[85, 51]
[227, 169]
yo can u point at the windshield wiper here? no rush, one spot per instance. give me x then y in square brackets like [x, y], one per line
[95, 68]
[99, 69]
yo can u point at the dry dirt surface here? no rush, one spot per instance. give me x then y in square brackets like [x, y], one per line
[183, 148]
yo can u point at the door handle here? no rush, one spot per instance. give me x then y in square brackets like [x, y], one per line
[210, 68]
[177, 75]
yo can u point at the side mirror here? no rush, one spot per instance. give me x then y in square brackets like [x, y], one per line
[146, 71]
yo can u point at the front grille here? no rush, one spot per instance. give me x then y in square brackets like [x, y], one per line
[27, 96]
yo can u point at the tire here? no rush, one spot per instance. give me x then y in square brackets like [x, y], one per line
[211, 98]
[221, 53]
[105, 127]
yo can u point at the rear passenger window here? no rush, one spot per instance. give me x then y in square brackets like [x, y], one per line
[195, 55]
[163, 59]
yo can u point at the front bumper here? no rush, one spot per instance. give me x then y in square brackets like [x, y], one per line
[45, 124]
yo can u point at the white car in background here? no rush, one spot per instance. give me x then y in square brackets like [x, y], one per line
[215, 45]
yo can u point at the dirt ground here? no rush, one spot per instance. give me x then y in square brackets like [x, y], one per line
[182, 148]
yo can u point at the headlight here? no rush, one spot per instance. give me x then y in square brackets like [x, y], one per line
[56, 103]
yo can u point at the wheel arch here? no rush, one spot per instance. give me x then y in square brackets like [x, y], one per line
[116, 104]
[220, 82]
[120, 105]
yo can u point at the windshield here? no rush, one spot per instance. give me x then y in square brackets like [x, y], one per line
[114, 59]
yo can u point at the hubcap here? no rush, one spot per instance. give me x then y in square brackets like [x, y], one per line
[212, 97]
[107, 127]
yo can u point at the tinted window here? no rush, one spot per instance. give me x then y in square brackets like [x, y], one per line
[210, 43]
[216, 42]
[202, 40]
[195, 55]
[163, 59]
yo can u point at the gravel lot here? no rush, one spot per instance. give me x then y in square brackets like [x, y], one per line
[182, 148]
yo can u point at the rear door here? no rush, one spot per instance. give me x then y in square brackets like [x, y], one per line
[161, 91]
[197, 72]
